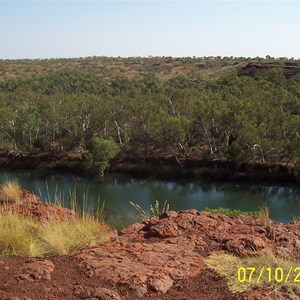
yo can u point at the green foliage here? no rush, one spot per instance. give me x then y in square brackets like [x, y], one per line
[178, 104]
[102, 151]
[237, 154]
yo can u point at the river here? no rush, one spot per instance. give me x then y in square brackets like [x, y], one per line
[116, 191]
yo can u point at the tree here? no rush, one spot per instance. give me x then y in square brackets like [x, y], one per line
[101, 153]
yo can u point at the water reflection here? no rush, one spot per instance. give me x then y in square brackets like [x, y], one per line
[117, 190]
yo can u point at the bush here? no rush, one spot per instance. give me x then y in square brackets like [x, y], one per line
[101, 153]
[237, 154]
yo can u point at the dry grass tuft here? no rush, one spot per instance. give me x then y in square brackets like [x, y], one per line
[264, 216]
[18, 236]
[228, 265]
[155, 210]
[10, 192]
[25, 237]
[296, 219]
[67, 237]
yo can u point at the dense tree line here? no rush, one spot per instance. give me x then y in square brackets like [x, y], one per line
[242, 118]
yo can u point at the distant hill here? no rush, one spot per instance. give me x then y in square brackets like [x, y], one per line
[204, 68]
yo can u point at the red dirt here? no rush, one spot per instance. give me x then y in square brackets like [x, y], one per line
[160, 259]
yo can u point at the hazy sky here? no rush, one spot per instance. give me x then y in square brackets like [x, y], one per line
[41, 29]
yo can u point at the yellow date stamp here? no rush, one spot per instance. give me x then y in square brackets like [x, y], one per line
[268, 274]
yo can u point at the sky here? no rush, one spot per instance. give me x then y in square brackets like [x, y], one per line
[51, 29]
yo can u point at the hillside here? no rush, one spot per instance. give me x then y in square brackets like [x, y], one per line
[163, 67]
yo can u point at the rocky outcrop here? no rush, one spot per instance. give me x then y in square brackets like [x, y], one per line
[31, 206]
[144, 267]
[150, 257]
[159, 259]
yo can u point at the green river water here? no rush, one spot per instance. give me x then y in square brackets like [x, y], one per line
[118, 190]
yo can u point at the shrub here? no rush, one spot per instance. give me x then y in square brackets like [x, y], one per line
[237, 153]
[102, 151]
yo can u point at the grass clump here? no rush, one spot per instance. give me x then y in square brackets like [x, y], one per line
[155, 210]
[18, 236]
[296, 219]
[66, 237]
[231, 212]
[10, 191]
[25, 237]
[264, 216]
[228, 266]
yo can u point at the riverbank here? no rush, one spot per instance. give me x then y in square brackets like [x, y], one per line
[157, 166]
[166, 257]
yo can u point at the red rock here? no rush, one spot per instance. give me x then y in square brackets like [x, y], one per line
[169, 214]
[245, 245]
[36, 270]
[161, 284]
[132, 229]
[31, 206]
[104, 294]
[163, 229]
[143, 266]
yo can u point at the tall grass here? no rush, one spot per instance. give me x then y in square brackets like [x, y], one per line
[18, 236]
[82, 208]
[25, 237]
[296, 219]
[10, 191]
[66, 237]
[155, 210]
[264, 216]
